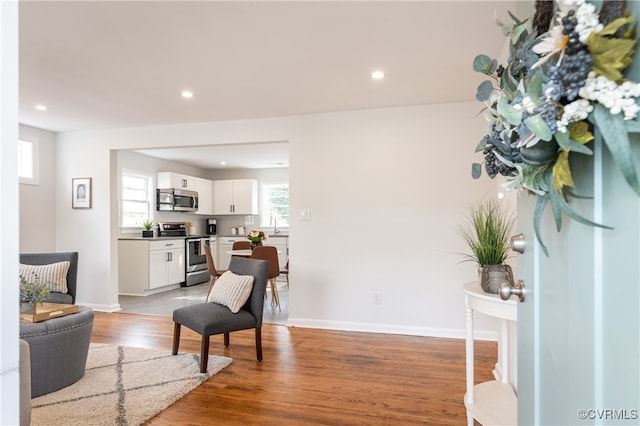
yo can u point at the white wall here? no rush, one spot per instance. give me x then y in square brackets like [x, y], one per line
[386, 189]
[37, 202]
[9, 358]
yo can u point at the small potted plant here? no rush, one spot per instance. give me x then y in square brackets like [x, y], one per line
[148, 228]
[487, 233]
[255, 237]
[32, 292]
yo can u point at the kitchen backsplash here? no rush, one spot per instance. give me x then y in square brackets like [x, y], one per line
[224, 223]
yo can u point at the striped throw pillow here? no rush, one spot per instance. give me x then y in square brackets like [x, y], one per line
[232, 290]
[53, 274]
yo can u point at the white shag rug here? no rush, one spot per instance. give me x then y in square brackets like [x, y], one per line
[123, 386]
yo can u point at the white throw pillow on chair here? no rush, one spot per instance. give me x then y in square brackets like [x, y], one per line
[232, 290]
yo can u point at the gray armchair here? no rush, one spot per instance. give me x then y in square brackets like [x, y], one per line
[208, 319]
[72, 274]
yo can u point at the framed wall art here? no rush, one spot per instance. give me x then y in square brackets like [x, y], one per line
[81, 193]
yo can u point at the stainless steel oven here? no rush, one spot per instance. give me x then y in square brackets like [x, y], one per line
[196, 271]
[196, 260]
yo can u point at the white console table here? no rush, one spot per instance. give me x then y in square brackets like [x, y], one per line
[493, 402]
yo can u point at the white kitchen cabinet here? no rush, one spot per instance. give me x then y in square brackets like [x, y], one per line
[204, 187]
[238, 196]
[224, 245]
[150, 266]
[175, 180]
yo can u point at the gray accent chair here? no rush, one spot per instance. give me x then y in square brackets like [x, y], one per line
[59, 346]
[72, 274]
[208, 319]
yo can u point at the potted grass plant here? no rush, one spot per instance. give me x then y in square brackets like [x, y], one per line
[487, 234]
[32, 292]
[148, 228]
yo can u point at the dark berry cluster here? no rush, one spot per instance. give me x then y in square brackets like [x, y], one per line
[571, 73]
[492, 164]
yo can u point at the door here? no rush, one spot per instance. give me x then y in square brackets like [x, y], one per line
[579, 327]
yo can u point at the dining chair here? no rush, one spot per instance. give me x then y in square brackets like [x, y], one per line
[210, 318]
[241, 245]
[213, 272]
[285, 271]
[270, 254]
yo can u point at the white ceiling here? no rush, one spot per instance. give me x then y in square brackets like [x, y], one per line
[100, 65]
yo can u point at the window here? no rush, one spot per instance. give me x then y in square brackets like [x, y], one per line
[275, 205]
[136, 199]
[28, 164]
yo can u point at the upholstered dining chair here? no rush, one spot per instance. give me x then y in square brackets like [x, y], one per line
[270, 254]
[210, 318]
[213, 272]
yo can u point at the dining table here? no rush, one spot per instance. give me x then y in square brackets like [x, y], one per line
[243, 252]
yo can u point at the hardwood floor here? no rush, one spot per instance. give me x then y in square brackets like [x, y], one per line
[312, 376]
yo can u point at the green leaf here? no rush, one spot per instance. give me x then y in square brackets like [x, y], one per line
[534, 89]
[614, 26]
[481, 145]
[537, 125]
[562, 172]
[511, 114]
[568, 210]
[616, 138]
[541, 203]
[569, 145]
[509, 84]
[484, 91]
[518, 31]
[484, 64]
[476, 170]
[610, 55]
[580, 132]
[557, 198]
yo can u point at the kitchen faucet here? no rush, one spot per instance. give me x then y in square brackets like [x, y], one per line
[275, 224]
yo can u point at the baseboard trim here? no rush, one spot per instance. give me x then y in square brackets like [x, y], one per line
[450, 333]
[101, 308]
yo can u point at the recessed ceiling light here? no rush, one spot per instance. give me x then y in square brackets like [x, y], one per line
[377, 75]
[223, 163]
[187, 94]
[41, 107]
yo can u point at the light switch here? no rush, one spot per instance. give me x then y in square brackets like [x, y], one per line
[305, 214]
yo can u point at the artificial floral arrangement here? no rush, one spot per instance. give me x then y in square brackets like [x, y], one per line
[33, 291]
[256, 236]
[563, 83]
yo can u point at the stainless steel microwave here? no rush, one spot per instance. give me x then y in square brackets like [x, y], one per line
[177, 200]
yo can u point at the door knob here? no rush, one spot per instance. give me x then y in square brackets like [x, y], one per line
[518, 243]
[506, 290]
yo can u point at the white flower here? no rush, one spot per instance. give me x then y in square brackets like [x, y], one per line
[528, 104]
[616, 98]
[551, 44]
[575, 111]
[588, 21]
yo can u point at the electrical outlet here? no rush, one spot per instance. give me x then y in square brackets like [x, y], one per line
[377, 298]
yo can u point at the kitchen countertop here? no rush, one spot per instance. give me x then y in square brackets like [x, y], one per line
[150, 239]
